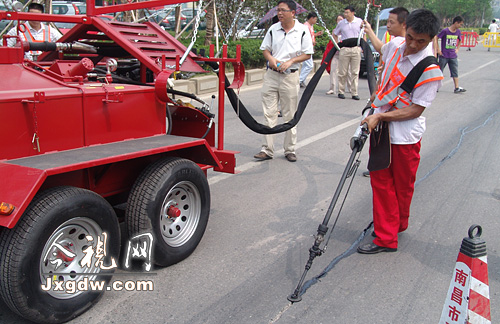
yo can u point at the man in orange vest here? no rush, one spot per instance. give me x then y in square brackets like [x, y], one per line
[33, 31]
[393, 186]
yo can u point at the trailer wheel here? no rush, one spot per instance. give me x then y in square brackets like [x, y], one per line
[171, 200]
[51, 238]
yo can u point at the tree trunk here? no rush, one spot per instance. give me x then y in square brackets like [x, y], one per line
[210, 18]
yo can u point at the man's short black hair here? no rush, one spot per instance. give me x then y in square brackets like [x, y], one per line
[350, 8]
[290, 3]
[493, 21]
[36, 6]
[311, 15]
[457, 19]
[401, 12]
[423, 21]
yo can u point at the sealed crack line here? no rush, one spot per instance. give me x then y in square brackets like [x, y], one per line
[464, 132]
[281, 312]
[336, 260]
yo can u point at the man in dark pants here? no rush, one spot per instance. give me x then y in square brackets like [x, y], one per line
[451, 38]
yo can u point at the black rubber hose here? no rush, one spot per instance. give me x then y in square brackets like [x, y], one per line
[252, 124]
[42, 46]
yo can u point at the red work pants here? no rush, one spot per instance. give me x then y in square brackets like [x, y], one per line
[392, 193]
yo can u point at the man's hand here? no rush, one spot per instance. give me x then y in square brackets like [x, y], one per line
[372, 121]
[367, 26]
[283, 66]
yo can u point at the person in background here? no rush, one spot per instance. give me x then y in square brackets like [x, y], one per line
[286, 44]
[493, 28]
[448, 52]
[33, 31]
[332, 68]
[396, 27]
[350, 57]
[307, 65]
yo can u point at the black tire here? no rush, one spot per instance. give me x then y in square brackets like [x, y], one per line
[171, 183]
[62, 215]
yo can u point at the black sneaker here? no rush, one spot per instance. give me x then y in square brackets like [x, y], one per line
[341, 96]
[459, 90]
[355, 97]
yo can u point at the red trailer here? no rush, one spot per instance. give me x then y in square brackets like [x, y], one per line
[84, 147]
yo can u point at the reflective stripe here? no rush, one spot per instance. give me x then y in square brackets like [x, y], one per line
[29, 37]
[393, 96]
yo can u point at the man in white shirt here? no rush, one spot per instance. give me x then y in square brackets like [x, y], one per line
[286, 44]
[33, 31]
[393, 187]
[350, 57]
[493, 28]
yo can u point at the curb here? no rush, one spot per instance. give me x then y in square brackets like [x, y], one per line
[208, 84]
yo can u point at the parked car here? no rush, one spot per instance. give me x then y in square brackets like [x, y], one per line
[188, 13]
[249, 29]
[3, 23]
[68, 8]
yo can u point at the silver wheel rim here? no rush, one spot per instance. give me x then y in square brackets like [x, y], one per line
[57, 265]
[185, 197]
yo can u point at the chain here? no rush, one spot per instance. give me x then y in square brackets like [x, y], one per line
[229, 32]
[197, 22]
[36, 140]
[324, 26]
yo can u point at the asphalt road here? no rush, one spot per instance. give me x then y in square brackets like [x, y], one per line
[262, 221]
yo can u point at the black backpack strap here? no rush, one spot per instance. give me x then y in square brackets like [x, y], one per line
[412, 77]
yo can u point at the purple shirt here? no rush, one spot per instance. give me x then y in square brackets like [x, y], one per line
[449, 42]
[347, 29]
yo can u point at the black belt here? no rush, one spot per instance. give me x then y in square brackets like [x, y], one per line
[291, 70]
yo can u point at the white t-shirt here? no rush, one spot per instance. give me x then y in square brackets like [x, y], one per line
[285, 46]
[409, 131]
[493, 27]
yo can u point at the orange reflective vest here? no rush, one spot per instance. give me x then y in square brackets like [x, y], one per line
[392, 94]
[29, 37]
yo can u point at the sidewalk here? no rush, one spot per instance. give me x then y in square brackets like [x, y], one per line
[207, 85]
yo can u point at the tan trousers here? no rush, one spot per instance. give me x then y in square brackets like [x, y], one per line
[282, 89]
[334, 86]
[350, 58]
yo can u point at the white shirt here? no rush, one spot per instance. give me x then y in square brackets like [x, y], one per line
[347, 29]
[493, 27]
[285, 46]
[409, 131]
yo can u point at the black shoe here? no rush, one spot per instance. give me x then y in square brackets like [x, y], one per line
[291, 157]
[366, 174]
[373, 234]
[355, 97]
[341, 96]
[372, 248]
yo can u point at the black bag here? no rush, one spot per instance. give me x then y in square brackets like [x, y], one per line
[380, 138]
[380, 148]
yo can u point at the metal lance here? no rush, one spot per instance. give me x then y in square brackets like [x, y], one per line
[357, 143]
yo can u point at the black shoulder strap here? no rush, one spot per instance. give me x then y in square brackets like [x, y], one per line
[415, 73]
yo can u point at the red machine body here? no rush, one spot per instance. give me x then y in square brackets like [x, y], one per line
[92, 135]
[59, 128]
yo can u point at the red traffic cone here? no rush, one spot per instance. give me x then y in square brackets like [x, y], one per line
[468, 299]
